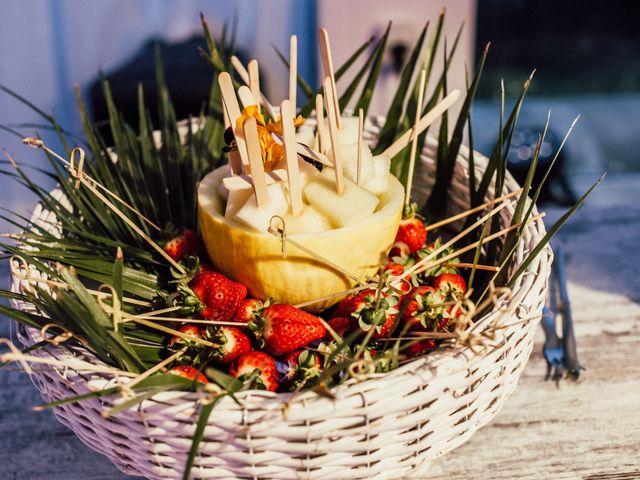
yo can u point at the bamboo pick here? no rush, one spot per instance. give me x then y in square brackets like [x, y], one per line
[157, 367]
[186, 320]
[74, 364]
[162, 311]
[241, 182]
[291, 156]
[89, 183]
[254, 78]
[333, 134]
[488, 268]
[360, 145]
[320, 124]
[255, 160]
[232, 106]
[293, 71]
[327, 66]
[246, 97]
[471, 211]
[430, 117]
[37, 143]
[335, 295]
[462, 234]
[96, 293]
[244, 75]
[162, 328]
[414, 141]
[473, 245]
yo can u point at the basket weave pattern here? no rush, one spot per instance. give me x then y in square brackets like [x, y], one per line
[388, 426]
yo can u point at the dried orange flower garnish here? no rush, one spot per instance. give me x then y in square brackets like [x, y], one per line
[272, 152]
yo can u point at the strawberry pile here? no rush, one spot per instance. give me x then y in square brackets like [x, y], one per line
[278, 347]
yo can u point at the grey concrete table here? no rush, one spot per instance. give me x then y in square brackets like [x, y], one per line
[584, 430]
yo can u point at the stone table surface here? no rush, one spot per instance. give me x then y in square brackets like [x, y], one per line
[589, 429]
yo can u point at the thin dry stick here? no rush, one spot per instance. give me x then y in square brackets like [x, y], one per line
[471, 211]
[16, 272]
[156, 368]
[414, 142]
[488, 268]
[73, 364]
[244, 75]
[335, 295]
[162, 311]
[430, 117]
[184, 320]
[37, 143]
[293, 70]
[462, 234]
[473, 245]
[360, 145]
[327, 66]
[162, 328]
[130, 222]
[280, 234]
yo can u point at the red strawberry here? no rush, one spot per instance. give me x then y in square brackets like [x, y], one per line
[246, 364]
[420, 347]
[188, 372]
[362, 306]
[303, 359]
[412, 231]
[233, 343]
[415, 305]
[286, 328]
[217, 297]
[340, 325]
[182, 244]
[300, 369]
[248, 309]
[451, 284]
[189, 329]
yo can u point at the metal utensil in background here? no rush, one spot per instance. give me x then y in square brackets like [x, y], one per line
[560, 353]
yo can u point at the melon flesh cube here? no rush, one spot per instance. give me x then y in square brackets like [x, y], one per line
[347, 133]
[235, 200]
[380, 181]
[260, 218]
[309, 221]
[307, 171]
[354, 204]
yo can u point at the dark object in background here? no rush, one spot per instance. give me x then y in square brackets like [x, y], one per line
[556, 188]
[187, 75]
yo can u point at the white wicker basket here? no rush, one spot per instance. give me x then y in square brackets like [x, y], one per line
[388, 426]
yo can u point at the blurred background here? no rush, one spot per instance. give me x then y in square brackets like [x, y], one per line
[587, 56]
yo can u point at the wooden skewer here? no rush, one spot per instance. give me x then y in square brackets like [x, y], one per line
[171, 331]
[293, 71]
[255, 160]
[246, 97]
[156, 368]
[414, 142]
[479, 208]
[431, 116]
[360, 145]
[71, 363]
[488, 268]
[232, 106]
[291, 156]
[333, 134]
[242, 182]
[254, 78]
[473, 245]
[244, 75]
[462, 234]
[320, 124]
[327, 66]
[187, 320]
